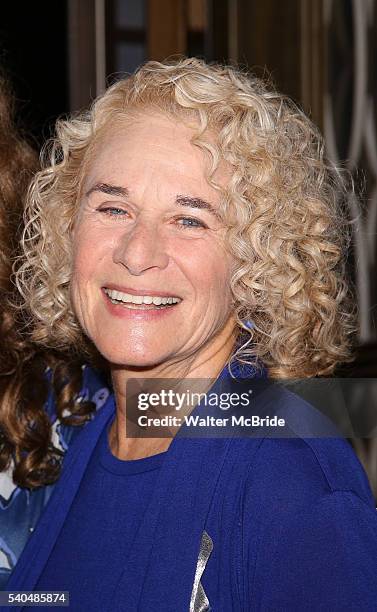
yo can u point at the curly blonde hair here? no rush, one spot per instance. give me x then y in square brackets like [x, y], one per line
[286, 227]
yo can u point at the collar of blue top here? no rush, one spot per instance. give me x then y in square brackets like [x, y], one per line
[238, 370]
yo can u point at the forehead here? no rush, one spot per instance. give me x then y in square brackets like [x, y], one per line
[147, 146]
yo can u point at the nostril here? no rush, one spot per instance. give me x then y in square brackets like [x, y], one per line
[141, 253]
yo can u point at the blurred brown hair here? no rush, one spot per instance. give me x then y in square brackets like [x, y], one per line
[25, 428]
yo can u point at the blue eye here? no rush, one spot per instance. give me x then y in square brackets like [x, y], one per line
[190, 222]
[113, 211]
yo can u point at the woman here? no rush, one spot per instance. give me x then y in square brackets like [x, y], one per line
[187, 226]
[34, 432]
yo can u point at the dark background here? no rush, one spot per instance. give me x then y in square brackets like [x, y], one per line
[34, 54]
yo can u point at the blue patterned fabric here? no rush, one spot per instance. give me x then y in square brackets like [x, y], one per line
[21, 508]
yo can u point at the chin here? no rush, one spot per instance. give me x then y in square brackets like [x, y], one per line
[133, 359]
[138, 364]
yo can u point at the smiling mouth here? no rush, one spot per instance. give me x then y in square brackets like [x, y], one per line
[141, 302]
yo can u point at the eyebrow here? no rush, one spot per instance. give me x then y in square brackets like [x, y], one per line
[193, 202]
[109, 190]
[181, 200]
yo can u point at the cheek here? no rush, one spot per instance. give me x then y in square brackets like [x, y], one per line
[218, 278]
[209, 271]
[85, 257]
[81, 267]
[88, 250]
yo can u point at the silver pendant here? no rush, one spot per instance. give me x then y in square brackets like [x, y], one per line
[199, 600]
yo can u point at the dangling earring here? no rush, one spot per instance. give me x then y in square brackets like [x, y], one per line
[248, 324]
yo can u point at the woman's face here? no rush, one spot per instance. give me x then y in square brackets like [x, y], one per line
[151, 276]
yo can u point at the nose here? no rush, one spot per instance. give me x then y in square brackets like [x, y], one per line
[141, 249]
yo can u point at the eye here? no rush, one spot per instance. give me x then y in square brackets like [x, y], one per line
[113, 211]
[185, 222]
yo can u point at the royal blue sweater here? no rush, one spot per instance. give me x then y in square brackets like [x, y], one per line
[252, 523]
[114, 496]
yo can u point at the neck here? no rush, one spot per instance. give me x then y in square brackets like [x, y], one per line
[204, 364]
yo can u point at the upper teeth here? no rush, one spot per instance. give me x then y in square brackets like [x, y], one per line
[141, 299]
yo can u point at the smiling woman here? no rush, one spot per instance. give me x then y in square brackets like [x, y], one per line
[189, 227]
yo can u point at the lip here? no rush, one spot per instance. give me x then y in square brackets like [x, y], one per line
[135, 314]
[139, 291]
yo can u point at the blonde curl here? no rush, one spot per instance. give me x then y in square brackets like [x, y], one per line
[283, 206]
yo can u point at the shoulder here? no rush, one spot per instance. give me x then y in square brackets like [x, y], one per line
[307, 545]
[309, 466]
[308, 453]
[307, 513]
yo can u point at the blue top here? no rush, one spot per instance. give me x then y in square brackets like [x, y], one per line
[95, 564]
[21, 508]
[236, 524]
